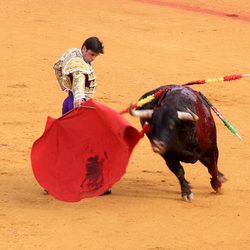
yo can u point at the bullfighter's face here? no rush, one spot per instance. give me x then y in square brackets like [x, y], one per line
[88, 55]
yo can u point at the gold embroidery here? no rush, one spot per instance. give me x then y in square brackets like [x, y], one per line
[76, 64]
[72, 63]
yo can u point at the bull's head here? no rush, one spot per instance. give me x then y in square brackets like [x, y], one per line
[164, 125]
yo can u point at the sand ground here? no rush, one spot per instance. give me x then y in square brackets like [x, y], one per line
[147, 44]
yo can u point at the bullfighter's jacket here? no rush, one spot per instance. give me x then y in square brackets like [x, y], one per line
[76, 75]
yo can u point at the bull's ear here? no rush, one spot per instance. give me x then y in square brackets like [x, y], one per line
[186, 116]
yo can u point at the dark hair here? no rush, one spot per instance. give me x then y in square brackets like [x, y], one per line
[94, 44]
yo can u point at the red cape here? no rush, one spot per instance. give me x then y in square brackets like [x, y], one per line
[84, 152]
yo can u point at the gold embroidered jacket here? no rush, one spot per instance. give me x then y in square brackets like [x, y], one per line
[74, 74]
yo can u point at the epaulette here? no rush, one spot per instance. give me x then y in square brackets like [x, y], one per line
[76, 64]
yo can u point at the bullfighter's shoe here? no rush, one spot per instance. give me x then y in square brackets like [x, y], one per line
[107, 192]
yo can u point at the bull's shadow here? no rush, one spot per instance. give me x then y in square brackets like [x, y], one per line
[160, 187]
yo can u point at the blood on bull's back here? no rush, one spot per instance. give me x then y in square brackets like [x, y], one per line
[205, 128]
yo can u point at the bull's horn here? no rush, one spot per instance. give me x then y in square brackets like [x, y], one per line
[147, 113]
[189, 116]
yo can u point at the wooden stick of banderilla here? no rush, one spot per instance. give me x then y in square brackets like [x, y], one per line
[225, 121]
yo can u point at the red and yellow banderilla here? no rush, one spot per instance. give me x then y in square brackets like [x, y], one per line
[218, 79]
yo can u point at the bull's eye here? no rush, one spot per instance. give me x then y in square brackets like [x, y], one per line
[171, 126]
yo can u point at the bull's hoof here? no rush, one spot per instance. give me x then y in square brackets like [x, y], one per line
[216, 183]
[222, 178]
[188, 197]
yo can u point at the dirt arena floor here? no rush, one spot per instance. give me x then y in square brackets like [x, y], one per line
[147, 43]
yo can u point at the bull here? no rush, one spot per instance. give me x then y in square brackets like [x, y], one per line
[182, 129]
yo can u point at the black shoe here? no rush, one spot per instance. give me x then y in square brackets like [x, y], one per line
[107, 192]
[45, 192]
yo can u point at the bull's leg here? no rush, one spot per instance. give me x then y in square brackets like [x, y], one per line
[178, 170]
[210, 161]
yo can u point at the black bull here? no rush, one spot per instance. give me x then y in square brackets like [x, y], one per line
[182, 129]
